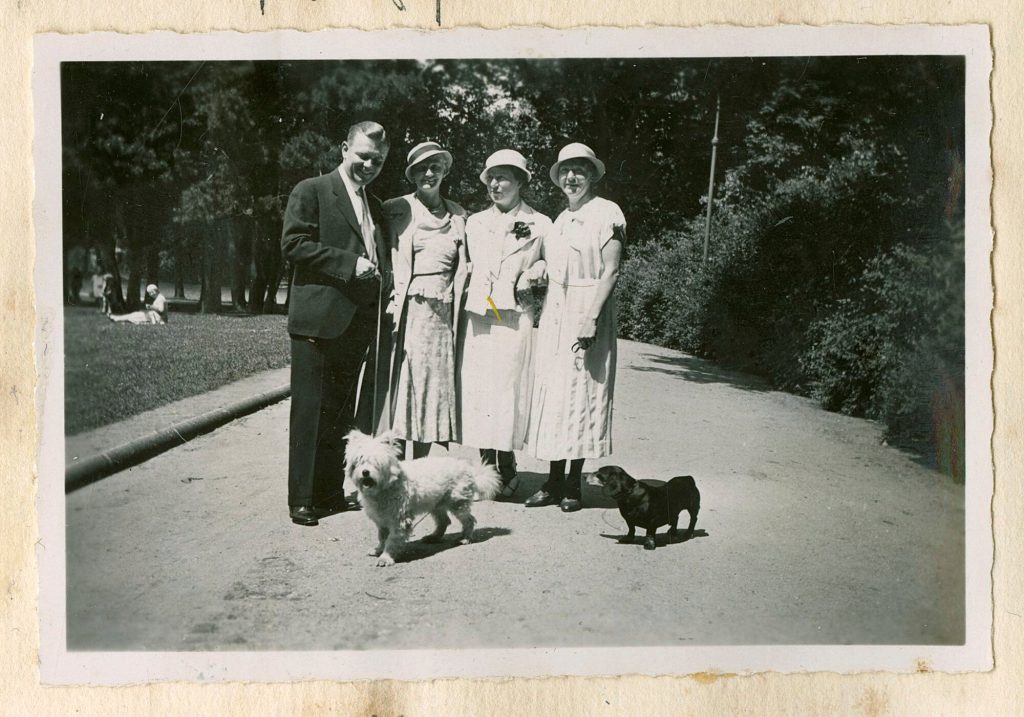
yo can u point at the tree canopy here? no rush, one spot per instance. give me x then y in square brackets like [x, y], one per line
[836, 247]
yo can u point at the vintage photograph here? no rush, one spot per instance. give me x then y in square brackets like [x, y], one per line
[497, 351]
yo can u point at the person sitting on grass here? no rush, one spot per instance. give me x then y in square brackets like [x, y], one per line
[154, 313]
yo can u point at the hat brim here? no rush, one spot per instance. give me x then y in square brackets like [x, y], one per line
[598, 165]
[423, 158]
[527, 172]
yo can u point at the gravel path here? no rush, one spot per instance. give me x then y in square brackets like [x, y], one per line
[811, 531]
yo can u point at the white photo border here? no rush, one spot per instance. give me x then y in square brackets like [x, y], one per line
[60, 666]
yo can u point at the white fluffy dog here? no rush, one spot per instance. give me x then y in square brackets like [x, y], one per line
[393, 492]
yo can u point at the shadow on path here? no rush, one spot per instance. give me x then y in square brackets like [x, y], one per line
[661, 539]
[698, 370]
[418, 550]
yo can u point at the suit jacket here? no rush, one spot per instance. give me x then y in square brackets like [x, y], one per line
[322, 240]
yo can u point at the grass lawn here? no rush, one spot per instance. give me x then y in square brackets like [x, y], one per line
[114, 371]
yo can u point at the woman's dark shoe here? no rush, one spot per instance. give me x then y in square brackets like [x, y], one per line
[570, 505]
[509, 485]
[303, 515]
[540, 498]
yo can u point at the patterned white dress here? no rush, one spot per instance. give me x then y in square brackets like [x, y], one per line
[425, 400]
[573, 391]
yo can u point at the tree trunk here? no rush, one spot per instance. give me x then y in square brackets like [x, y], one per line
[214, 235]
[108, 255]
[135, 263]
[179, 269]
[153, 263]
[267, 259]
[241, 257]
[274, 268]
[260, 288]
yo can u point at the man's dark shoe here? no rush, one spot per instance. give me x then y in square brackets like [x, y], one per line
[331, 507]
[303, 515]
[539, 499]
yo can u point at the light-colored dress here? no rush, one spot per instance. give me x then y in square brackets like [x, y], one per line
[496, 371]
[155, 313]
[571, 410]
[424, 396]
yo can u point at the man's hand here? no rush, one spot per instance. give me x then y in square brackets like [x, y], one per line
[364, 268]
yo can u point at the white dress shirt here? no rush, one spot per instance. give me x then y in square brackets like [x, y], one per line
[356, 197]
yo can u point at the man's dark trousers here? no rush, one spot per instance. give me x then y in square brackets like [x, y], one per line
[325, 377]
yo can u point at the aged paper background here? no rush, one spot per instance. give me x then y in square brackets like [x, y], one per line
[924, 693]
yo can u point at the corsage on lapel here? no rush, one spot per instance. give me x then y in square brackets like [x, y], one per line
[521, 230]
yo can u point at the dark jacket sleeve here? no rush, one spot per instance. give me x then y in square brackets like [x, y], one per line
[300, 238]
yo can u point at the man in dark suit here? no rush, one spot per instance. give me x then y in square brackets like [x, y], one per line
[332, 236]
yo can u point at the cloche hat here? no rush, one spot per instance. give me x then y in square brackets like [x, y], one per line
[576, 150]
[423, 151]
[506, 158]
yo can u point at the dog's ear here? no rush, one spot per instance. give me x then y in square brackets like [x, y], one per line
[355, 444]
[392, 441]
[355, 440]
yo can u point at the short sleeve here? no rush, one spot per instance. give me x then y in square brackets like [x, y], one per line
[613, 225]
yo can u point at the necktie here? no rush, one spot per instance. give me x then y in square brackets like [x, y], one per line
[366, 226]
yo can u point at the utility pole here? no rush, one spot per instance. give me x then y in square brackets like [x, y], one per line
[711, 181]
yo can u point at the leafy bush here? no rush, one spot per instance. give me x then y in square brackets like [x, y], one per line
[826, 285]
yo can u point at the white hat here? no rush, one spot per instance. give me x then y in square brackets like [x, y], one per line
[422, 151]
[506, 158]
[152, 289]
[576, 150]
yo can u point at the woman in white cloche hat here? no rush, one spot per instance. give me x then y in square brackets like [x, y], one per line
[574, 357]
[495, 374]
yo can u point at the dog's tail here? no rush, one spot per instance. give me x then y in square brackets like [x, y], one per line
[486, 481]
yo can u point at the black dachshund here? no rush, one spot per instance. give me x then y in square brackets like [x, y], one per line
[649, 506]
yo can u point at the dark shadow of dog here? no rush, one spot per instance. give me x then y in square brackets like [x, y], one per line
[661, 539]
[418, 550]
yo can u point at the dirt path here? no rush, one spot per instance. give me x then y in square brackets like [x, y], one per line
[811, 532]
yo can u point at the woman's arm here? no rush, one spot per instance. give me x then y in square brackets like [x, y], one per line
[536, 264]
[611, 254]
